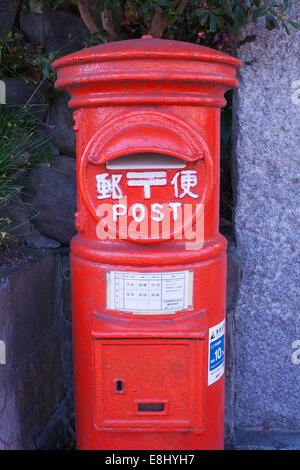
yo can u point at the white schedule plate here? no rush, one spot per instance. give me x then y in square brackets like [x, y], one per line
[149, 293]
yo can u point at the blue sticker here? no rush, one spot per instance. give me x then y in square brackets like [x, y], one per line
[216, 352]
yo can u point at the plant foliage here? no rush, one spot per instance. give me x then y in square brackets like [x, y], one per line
[21, 148]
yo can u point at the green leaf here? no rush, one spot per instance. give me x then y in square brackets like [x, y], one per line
[294, 24]
[259, 12]
[46, 70]
[162, 3]
[146, 6]
[239, 17]
[212, 22]
[219, 11]
[204, 18]
[286, 29]
[201, 11]
[286, 7]
[228, 7]
[271, 22]
[221, 22]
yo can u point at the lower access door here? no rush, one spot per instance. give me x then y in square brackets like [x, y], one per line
[153, 383]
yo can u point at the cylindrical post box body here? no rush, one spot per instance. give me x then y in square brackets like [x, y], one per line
[148, 262]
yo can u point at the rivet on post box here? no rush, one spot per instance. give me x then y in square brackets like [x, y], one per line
[148, 263]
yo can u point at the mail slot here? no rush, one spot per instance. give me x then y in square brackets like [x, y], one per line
[148, 262]
[145, 161]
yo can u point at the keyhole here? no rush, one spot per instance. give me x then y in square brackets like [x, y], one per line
[119, 386]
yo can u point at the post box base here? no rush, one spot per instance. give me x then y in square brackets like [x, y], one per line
[149, 380]
[148, 439]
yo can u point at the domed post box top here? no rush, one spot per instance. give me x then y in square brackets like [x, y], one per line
[146, 71]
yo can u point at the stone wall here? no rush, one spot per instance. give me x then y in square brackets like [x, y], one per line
[36, 393]
[266, 223]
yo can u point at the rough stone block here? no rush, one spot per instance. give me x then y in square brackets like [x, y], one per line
[20, 93]
[266, 222]
[33, 330]
[54, 30]
[8, 11]
[52, 197]
[267, 440]
[61, 120]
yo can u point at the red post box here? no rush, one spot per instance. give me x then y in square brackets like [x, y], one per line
[148, 262]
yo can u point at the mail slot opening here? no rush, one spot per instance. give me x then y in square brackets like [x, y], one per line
[140, 161]
[151, 406]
